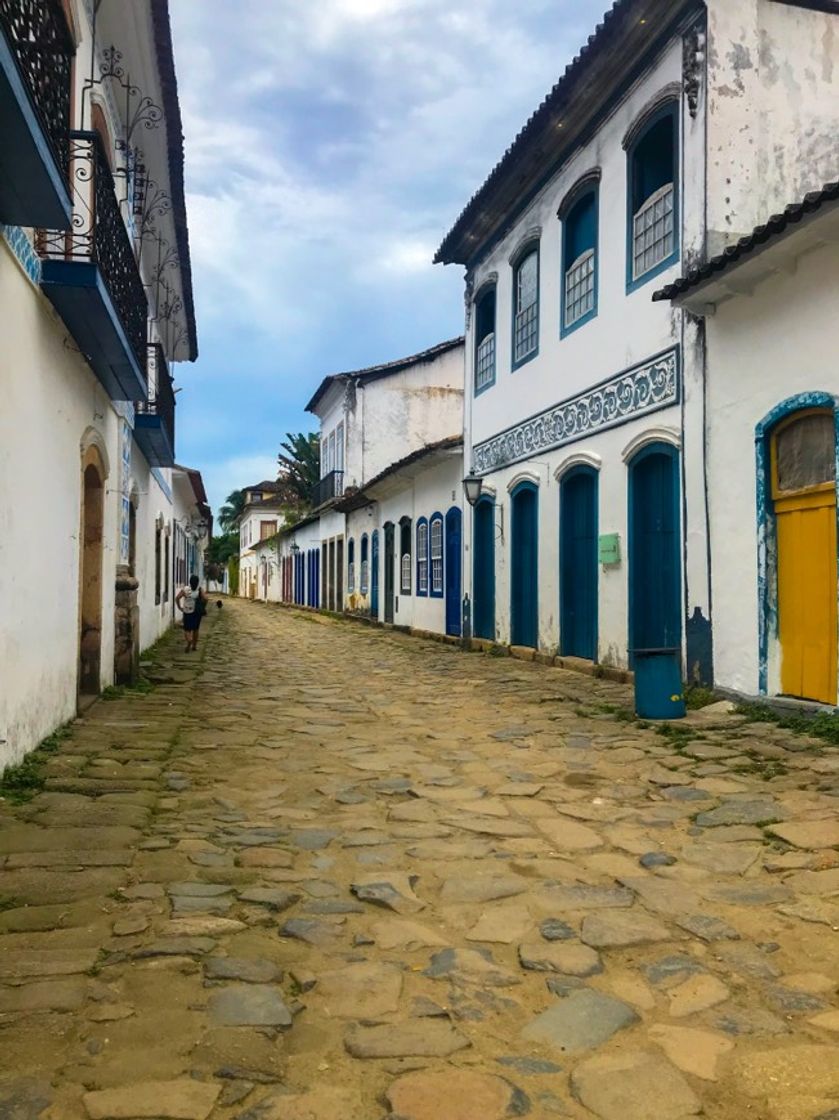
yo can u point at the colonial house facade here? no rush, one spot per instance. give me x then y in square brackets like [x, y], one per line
[95, 306]
[587, 406]
[370, 420]
[260, 520]
[773, 449]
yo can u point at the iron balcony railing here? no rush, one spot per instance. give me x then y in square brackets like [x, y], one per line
[39, 39]
[99, 237]
[161, 400]
[330, 486]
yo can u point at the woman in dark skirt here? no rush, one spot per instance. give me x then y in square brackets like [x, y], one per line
[191, 602]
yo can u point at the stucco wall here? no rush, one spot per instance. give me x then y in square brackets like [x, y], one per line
[51, 403]
[773, 81]
[762, 350]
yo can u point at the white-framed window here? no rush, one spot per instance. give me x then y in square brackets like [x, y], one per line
[332, 450]
[653, 194]
[653, 230]
[579, 288]
[339, 447]
[405, 584]
[485, 340]
[365, 564]
[437, 556]
[422, 557]
[526, 317]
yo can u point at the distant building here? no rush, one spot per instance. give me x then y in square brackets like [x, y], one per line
[260, 519]
[95, 307]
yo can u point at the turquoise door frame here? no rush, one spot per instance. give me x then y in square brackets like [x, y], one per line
[374, 574]
[578, 563]
[483, 569]
[524, 565]
[453, 561]
[655, 549]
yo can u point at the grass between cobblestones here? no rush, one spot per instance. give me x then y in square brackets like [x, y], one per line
[22, 782]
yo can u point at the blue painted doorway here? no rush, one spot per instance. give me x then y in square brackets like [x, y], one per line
[578, 564]
[524, 573]
[655, 569]
[389, 573]
[454, 533]
[483, 570]
[374, 574]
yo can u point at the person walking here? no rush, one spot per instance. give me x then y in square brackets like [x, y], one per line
[192, 603]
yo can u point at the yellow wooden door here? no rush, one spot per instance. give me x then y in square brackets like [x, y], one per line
[805, 511]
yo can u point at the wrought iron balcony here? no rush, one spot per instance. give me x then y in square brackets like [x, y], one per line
[91, 276]
[36, 56]
[154, 420]
[330, 486]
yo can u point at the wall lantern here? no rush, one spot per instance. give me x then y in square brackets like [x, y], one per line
[295, 548]
[472, 487]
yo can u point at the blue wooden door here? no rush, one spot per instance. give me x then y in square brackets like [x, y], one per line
[483, 570]
[390, 546]
[578, 564]
[524, 574]
[374, 575]
[655, 609]
[454, 523]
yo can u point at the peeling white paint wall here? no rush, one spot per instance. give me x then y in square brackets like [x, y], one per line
[773, 91]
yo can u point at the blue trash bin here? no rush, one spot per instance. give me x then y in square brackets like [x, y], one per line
[658, 684]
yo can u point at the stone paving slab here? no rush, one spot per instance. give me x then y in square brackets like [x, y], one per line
[323, 871]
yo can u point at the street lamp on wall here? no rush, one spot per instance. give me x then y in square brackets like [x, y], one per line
[472, 486]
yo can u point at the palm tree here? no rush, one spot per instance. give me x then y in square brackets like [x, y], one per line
[231, 510]
[299, 470]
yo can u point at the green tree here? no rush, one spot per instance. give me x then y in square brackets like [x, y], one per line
[231, 510]
[298, 471]
[219, 552]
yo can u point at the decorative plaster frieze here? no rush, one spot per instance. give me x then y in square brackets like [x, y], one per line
[645, 388]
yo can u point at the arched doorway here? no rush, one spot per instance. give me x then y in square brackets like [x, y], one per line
[389, 574]
[524, 568]
[655, 569]
[454, 524]
[578, 563]
[90, 622]
[803, 464]
[483, 570]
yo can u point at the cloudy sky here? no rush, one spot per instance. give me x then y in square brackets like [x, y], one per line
[330, 144]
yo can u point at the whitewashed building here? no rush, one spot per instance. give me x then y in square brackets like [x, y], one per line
[373, 420]
[587, 408]
[768, 304]
[95, 306]
[259, 520]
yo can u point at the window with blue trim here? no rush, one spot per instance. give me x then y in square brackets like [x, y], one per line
[351, 566]
[653, 196]
[485, 340]
[422, 557]
[526, 307]
[579, 261]
[365, 565]
[437, 555]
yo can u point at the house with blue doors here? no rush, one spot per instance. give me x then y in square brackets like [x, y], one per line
[372, 421]
[676, 130]
[768, 304]
[96, 308]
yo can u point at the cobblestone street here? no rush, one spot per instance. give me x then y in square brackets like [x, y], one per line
[323, 872]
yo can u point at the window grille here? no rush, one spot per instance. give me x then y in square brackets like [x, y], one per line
[437, 556]
[365, 577]
[526, 327]
[406, 574]
[422, 559]
[351, 577]
[579, 288]
[485, 362]
[653, 229]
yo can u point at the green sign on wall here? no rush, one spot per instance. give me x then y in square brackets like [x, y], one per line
[609, 548]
